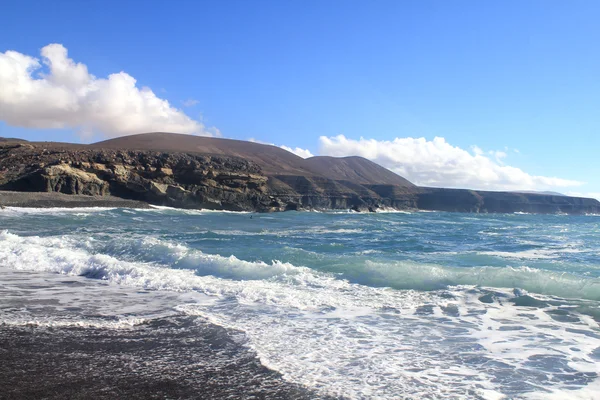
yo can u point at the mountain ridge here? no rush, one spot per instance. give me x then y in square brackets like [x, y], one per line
[200, 172]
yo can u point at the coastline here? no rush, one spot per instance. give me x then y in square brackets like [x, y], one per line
[120, 299]
[70, 337]
[172, 357]
[189, 172]
[19, 199]
[60, 200]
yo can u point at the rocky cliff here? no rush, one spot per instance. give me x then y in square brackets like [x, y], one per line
[170, 179]
[192, 172]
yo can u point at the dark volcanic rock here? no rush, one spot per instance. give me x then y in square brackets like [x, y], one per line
[51, 199]
[197, 172]
[171, 179]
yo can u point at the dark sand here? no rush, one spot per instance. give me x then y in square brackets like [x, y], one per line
[168, 358]
[46, 200]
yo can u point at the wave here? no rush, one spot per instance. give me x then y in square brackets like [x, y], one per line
[301, 232]
[224, 277]
[389, 210]
[533, 254]
[411, 275]
[191, 211]
[68, 255]
[52, 210]
[156, 264]
[53, 322]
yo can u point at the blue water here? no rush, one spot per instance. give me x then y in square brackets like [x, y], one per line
[387, 305]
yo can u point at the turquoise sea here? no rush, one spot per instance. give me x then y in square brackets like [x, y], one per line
[384, 306]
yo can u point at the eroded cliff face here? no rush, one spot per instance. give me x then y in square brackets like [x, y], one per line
[222, 182]
[170, 179]
[174, 179]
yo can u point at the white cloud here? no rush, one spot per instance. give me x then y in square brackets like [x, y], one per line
[254, 140]
[589, 195]
[189, 102]
[304, 153]
[68, 96]
[498, 155]
[438, 163]
[477, 150]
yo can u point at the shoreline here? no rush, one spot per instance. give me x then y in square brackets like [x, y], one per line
[68, 201]
[61, 200]
[171, 357]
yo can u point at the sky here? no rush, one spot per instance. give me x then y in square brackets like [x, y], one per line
[496, 95]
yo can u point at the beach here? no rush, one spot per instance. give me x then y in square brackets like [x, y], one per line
[169, 358]
[169, 303]
[60, 200]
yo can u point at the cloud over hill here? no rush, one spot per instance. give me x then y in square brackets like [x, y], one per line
[438, 163]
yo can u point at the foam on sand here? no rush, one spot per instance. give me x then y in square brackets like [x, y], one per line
[358, 338]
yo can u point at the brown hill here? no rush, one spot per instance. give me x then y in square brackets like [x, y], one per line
[16, 140]
[273, 160]
[355, 169]
[199, 172]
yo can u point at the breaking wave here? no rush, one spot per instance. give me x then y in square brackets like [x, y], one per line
[157, 264]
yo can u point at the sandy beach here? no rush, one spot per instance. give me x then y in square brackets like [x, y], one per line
[168, 358]
[48, 200]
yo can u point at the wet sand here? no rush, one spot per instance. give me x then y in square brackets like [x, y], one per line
[46, 200]
[167, 358]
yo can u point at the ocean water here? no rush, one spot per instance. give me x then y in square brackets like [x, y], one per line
[383, 306]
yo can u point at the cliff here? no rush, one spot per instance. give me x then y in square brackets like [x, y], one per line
[196, 172]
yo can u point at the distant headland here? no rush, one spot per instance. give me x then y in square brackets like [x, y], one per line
[188, 171]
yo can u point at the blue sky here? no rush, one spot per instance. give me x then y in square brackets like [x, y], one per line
[512, 82]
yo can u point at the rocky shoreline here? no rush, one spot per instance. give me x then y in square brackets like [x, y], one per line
[60, 200]
[220, 174]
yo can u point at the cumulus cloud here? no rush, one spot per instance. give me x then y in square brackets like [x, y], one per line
[438, 163]
[589, 195]
[57, 92]
[189, 102]
[498, 155]
[304, 153]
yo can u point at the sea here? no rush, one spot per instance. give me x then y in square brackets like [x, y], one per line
[389, 305]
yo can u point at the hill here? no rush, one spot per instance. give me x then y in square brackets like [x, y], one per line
[199, 172]
[355, 169]
[272, 159]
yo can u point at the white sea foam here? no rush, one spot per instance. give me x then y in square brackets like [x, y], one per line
[418, 352]
[67, 255]
[306, 232]
[189, 211]
[350, 339]
[412, 275]
[52, 322]
[589, 392]
[389, 210]
[71, 255]
[534, 254]
[53, 210]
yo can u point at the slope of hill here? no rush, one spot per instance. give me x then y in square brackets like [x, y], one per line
[543, 192]
[355, 169]
[272, 159]
[198, 172]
